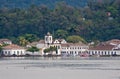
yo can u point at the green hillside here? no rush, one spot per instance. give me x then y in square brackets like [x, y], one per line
[49, 3]
[97, 21]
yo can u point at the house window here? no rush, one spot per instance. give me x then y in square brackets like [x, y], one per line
[105, 52]
[17, 52]
[21, 52]
[108, 52]
[58, 47]
[46, 39]
[50, 38]
[92, 53]
[75, 52]
[5, 52]
[79, 51]
[8, 52]
[14, 52]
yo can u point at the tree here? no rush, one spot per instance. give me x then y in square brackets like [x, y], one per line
[61, 34]
[33, 49]
[50, 50]
[22, 41]
[75, 39]
[30, 37]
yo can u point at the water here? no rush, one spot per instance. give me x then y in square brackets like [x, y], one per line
[60, 68]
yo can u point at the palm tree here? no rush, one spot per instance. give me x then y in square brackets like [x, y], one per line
[22, 41]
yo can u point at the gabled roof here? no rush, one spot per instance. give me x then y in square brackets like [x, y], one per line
[13, 46]
[59, 40]
[41, 41]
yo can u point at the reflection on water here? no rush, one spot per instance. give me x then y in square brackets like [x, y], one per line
[59, 58]
[91, 63]
[62, 67]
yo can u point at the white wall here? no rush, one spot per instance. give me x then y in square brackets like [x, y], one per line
[14, 51]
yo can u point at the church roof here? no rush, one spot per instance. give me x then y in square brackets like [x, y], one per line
[48, 34]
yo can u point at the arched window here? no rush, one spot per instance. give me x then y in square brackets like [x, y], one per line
[17, 52]
[21, 52]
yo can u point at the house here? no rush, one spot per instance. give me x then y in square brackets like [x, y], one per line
[74, 49]
[39, 44]
[113, 42]
[104, 50]
[5, 41]
[13, 49]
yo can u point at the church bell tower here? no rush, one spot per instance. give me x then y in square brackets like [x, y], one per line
[48, 39]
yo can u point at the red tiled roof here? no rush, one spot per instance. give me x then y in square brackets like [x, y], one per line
[65, 45]
[73, 44]
[113, 41]
[12, 46]
[102, 47]
[4, 40]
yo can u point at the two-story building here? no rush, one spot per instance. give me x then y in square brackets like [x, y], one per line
[74, 49]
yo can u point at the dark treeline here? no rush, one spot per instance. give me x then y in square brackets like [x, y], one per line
[97, 21]
[49, 3]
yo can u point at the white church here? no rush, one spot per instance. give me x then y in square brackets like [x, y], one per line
[63, 48]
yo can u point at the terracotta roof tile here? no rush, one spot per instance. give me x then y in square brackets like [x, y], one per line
[72, 44]
[12, 46]
[102, 47]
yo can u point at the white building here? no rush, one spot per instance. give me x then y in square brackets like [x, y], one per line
[104, 50]
[74, 49]
[5, 41]
[59, 41]
[62, 46]
[13, 49]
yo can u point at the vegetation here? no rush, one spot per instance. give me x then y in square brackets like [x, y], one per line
[27, 38]
[50, 50]
[75, 39]
[33, 49]
[97, 21]
[50, 3]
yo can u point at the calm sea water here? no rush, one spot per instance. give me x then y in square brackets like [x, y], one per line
[60, 68]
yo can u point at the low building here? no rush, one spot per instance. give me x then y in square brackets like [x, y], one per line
[13, 49]
[104, 50]
[113, 42]
[5, 41]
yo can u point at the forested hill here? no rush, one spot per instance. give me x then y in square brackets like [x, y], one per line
[49, 3]
[97, 21]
